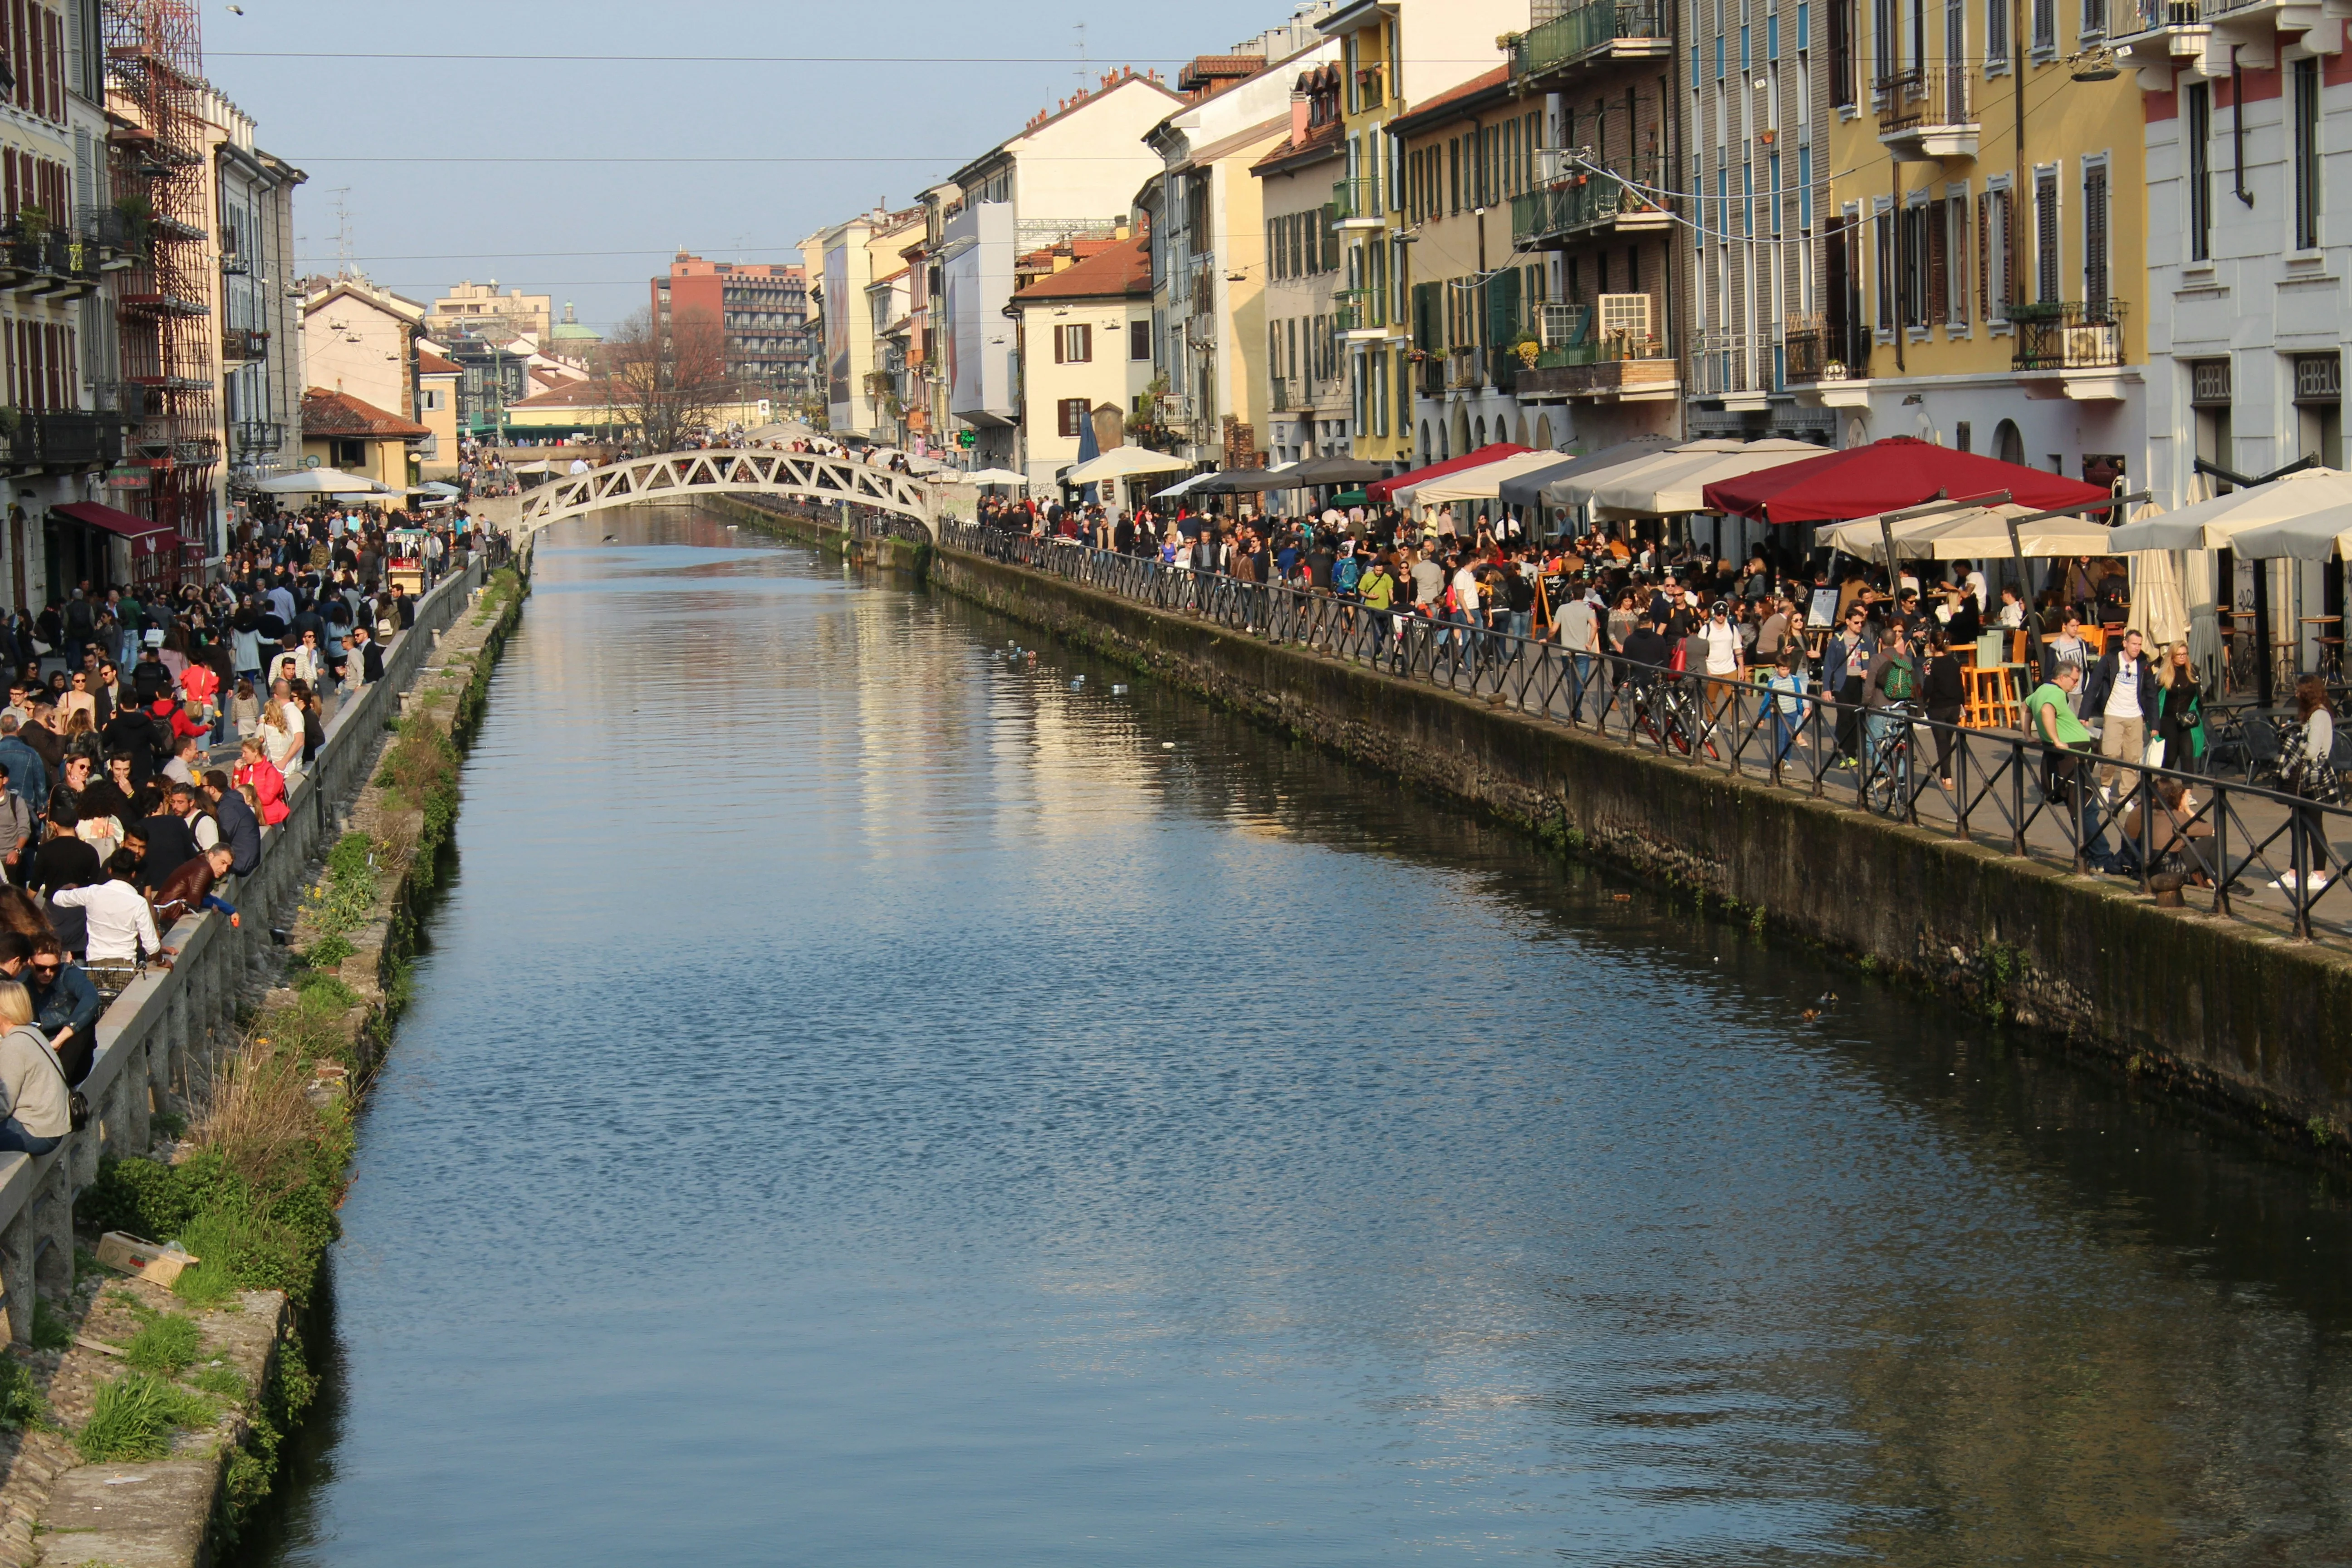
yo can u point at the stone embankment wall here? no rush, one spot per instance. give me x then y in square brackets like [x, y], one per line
[160, 1047]
[2218, 1011]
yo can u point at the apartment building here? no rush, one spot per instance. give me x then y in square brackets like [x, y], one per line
[847, 258]
[1589, 174]
[1309, 405]
[1084, 356]
[762, 308]
[1070, 172]
[478, 311]
[1394, 53]
[1209, 254]
[1983, 280]
[256, 303]
[1465, 154]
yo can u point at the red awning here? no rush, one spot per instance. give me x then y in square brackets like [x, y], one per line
[113, 521]
[1383, 490]
[1887, 476]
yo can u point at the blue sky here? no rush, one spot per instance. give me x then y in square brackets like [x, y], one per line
[418, 225]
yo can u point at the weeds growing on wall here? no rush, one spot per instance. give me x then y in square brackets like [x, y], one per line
[135, 1415]
[420, 769]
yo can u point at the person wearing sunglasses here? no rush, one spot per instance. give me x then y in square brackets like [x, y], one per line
[64, 1005]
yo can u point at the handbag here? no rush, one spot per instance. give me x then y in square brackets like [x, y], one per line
[76, 1105]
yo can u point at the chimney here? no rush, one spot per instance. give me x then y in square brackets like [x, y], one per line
[1297, 118]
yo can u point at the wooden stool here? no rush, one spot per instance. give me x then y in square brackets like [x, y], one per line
[1984, 698]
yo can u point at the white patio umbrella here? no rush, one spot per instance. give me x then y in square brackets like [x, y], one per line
[2313, 536]
[2212, 524]
[1969, 534]
[994, 476]
[1659, 489]
[1575, 489]
[323, 482]
[1182, 487]
[1124, 462]
[1481, 483]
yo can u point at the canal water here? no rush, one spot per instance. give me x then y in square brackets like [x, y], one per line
[874, 1098]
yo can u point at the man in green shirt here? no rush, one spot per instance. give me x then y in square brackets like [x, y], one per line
[2050, 713]
[1378, 590]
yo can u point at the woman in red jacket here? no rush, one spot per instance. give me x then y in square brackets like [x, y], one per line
[268, 783]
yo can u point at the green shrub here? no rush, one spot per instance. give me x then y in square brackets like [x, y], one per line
[21, 1404]
[166, 1346]
[135, 1415]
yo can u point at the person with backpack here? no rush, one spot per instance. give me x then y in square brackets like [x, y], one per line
[1347, 571]
[1893, 684]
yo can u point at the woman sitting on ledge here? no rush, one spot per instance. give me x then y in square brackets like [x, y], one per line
[32, 1081]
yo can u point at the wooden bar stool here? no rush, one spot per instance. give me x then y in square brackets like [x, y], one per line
[1985, 701]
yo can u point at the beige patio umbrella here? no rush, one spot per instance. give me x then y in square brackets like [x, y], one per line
[1971, 532]
[1122, 462]
[1481, 483]
[1575, 490]
[2212, 524]
[1659, 489]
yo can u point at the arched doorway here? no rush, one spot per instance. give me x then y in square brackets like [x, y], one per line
[2008, 444]
[1424, 444]
[1521, 433]
[1461, 431]
[1543, 431]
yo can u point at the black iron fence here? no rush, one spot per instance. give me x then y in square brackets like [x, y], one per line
[2247, 849]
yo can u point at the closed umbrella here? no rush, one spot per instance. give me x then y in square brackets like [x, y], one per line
[2159, 603]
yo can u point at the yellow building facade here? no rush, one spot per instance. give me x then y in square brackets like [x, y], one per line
[1984, 256]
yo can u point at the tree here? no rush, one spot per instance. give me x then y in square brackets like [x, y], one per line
[667, 384]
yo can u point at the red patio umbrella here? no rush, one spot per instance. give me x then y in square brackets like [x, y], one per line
[1383, 490]
[1888, 476]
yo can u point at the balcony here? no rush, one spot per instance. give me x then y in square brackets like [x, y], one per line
[1617, 369]
[1817, 348]
[49, 264]
[1429, 373]
[1285, 399]
[1465, 370]
[1729, 368]
[2082, 342]
[1929, 113]
[1356, 204]
[1359, 314]
[69, 438]
[242, 345]
[1585, 204]
[1602, 31]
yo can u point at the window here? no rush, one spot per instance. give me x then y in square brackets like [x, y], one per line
[1885, 28]
[1139, 340]
[2095, 18]
[2198, 129]
[1842, 19]
[2307, 154]
[2045, 236]
[1070, 416]
[1074, 345]
[1956, 212]
[1805, 188]
[1883, 238]
[428, 399]
[1996, 252]
[2094, 235]
[2045, 27]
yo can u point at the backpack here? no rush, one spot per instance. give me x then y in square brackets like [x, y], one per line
[1901, 681]
[1344, 572]
[2308, 777]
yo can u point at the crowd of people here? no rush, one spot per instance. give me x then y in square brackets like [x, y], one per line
[1835, 648]
[147, 740]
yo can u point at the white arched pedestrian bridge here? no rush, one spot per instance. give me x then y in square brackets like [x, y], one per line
[727, 472]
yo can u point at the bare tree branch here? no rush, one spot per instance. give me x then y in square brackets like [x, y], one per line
[667, 384]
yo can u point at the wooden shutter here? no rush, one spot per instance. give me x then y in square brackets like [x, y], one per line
[1058, 346]
[1937, 303]
[2094, 235]
[1082, 345]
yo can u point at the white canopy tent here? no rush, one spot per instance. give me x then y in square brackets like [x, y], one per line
[323, 482]
[2314, 536]
[1676, 482]
[1124, 462]
[1969, 534]
[1575, 489]
[992, 477]
[1481, 483]
[2213, 524]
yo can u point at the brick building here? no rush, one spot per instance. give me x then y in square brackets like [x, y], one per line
[764, 309]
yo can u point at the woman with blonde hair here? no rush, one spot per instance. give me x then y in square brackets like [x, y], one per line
[282, 741]
[2180, 711]
[34, 1093]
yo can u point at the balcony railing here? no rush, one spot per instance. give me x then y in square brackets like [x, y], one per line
[1615, 365]
[1940, 92]
[2069, 334]
[1817, 348]
[52, 262]
[1465, 370]
[1586, 201]
[1356, 309]
[1725, 364]
[1284, 400]
[1428, 376]
[65, 438]
[243, 345]
[2133, 16]
[1567, 38]
[1354, 199]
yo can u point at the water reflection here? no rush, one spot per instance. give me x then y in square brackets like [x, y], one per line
[870, 1101]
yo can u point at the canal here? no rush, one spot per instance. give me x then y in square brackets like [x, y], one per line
[873, 1098]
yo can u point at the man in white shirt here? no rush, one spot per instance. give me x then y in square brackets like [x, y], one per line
[1579, 633]
[121, 925]
[1465, 599]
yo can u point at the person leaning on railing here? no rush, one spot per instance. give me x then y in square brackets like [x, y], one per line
[2051, 711]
